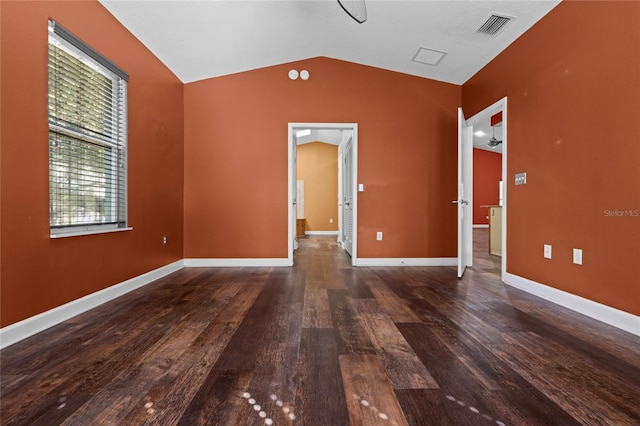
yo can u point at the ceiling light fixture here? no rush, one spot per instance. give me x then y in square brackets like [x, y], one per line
[357, 9]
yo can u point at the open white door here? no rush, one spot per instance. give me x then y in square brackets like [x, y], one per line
[340, 195]
[294, 192]
[464, 201]
[347, 198]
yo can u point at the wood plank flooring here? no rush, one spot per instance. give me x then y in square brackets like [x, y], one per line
[323, 343]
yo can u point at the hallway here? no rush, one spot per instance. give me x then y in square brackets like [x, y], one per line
[323, 343]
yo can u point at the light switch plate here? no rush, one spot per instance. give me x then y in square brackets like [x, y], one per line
[379, 236]
[547, 251]
[361, 187]
[521, 178]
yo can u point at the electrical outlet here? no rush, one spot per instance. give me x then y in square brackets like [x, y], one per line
[164, 240]
[547, 251]
[379, 236]
[577, 256]
[331, 220]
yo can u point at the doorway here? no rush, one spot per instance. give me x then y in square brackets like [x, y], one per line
[345, 136]
[482, 122]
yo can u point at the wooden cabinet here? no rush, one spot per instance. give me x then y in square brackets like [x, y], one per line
[495, 230]
[300, 227]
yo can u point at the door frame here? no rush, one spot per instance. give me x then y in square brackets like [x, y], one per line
[292, 127]
[496, 107]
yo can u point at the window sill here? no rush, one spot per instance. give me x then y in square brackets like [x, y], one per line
[88, 232]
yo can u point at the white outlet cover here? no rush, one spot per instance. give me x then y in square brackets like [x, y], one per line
[379, 236]
[547, 251]
[577, 256]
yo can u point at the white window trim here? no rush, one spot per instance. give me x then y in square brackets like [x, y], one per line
[87, 230]
[68, 42]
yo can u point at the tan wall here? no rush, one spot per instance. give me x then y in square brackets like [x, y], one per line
[318, 167]
[574, 128]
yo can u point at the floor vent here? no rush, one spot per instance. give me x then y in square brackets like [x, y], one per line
[494, 25]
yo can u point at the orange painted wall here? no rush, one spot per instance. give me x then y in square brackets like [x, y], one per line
[236, 158]
[574, 127]
[487, 173]
[38, 273]
[318, 167]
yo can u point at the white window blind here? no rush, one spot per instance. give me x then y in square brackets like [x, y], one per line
[87, 138]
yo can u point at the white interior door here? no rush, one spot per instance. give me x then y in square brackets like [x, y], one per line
[464, 201]
[347, 197]
[294, 191]
[340, 196]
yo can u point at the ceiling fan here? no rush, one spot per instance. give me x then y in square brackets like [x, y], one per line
[357, 9]
[493, 142]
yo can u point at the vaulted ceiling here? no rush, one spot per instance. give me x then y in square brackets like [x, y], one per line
[200, 39]
[210, 38]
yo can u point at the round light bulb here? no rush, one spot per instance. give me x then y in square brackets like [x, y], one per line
[304, 74]
[293, 74]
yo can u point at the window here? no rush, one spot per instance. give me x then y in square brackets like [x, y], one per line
[87, 110]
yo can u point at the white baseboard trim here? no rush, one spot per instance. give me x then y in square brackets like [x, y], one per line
[30, 326]
[37, 323]
[481, 225]
[614, 317]
[236, 263]
[320, 232]
[407, 261]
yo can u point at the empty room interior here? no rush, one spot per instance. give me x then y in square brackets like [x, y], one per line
[320, 212]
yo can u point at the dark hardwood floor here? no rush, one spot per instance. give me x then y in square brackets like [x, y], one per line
[325, 344]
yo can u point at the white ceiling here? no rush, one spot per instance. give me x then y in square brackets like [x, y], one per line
[210, 38]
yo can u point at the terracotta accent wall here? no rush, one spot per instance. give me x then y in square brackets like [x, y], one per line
[573, 125]
[487, 173]
[236, 158]
[39, 273]
[318, 167]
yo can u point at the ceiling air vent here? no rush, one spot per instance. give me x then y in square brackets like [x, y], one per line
[494, 25]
